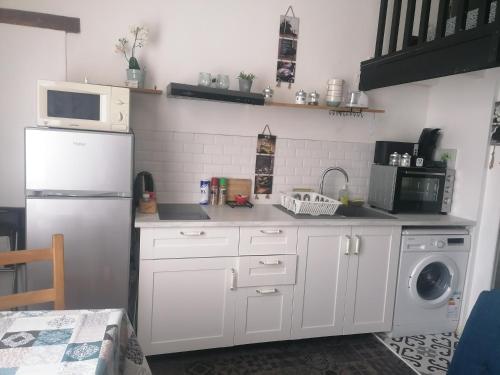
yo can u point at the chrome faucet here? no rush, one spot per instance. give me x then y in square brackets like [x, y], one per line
[328, 170]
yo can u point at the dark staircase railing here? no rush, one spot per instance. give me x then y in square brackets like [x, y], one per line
[455, 48]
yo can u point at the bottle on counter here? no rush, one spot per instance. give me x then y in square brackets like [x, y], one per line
[214, 191]
[344, 195]
[204, 191]
[222, 191]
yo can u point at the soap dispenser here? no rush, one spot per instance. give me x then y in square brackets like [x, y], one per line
[344, 195]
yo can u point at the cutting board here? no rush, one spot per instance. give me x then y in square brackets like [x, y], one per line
[237, 186]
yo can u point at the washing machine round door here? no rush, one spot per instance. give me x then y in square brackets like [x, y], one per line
[433, 280]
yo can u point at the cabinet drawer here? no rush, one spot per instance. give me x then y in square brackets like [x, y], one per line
[188, 242]
[268, 240]
[267, 270]
[263, 314]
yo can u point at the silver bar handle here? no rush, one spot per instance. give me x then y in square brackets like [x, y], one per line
[193, 234]
[270, 262]
[267, 291]
[348, 245]
[233, 279]
[271, 231]
[357, 245]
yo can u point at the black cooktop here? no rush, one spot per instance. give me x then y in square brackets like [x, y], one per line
[181, 211]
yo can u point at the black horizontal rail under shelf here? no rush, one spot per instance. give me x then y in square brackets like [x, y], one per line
[184, 91]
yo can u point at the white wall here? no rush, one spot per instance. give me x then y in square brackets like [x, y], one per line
[26, 58]
[462, 106]
[226, 36]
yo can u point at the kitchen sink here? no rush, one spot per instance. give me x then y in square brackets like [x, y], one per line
[343, 212]
[360, 212]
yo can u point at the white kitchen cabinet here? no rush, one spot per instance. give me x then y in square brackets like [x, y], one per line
[210, 287]
[319, 295]
[346, 280]
[263, 314]
[186, 304]
[371, 287]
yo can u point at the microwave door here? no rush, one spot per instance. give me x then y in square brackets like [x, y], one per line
[419, 191]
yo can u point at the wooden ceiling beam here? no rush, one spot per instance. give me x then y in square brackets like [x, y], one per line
[42, 20]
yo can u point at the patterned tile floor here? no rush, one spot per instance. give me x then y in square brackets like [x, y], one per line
[427, 354]
[340, 355]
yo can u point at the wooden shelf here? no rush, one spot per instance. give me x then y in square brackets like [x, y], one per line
[146, 91]
[325, 107]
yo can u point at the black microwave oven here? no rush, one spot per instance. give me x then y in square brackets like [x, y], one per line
[411, 189]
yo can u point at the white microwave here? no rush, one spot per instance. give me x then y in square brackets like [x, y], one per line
[83, 106]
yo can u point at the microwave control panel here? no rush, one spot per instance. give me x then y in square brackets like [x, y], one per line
[120, 108]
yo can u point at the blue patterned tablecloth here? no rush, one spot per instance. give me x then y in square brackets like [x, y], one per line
[69, 342]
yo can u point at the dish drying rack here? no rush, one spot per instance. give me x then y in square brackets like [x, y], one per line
[309, 203]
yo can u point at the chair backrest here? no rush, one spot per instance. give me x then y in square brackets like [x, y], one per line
[55, 294]
[478, 350]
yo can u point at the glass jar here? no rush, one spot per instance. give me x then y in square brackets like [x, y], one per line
[394, 159]
[300, 97]
[405, 160]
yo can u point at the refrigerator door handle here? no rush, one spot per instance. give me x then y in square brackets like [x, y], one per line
[74, 194]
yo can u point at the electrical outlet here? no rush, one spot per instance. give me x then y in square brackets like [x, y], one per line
[450, 154]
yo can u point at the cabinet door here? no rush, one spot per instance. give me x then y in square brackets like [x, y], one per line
[318, 300]
[186, 304]
[263, 313]
[371, 285]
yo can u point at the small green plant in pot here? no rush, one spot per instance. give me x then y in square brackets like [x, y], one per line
[127, 49]
[246, 81]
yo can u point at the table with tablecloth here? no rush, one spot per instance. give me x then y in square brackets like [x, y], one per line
[69, 342]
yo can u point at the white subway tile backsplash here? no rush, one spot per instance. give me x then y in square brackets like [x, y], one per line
[184, 137]
[284, 171]
[193, 167]
[293, 180]
[223, 139]
[245, 142]
[212, 170]
[172, 146]
[206, 139]
[302, 171]
[311, 162]
[213, 149]
[313, 145]
[194, 148]
[221, 159]
[230, 170]
[290, 162]
[179, 160]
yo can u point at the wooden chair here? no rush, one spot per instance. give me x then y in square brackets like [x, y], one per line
[55, 294]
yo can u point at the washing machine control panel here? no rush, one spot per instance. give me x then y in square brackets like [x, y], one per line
[434, 242]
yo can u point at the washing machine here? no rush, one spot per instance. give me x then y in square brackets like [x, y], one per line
[432, 269]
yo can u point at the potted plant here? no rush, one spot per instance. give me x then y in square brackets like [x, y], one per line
[246, 81]
[140, 37]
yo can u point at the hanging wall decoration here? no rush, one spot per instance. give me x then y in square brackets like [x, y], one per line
[287, 48]
[495, 133]
[264, 163]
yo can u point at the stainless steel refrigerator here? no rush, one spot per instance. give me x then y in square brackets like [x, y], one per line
[79, 183]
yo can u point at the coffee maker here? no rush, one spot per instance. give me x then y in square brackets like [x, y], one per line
[427, 144]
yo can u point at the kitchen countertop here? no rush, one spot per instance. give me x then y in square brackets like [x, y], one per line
[266, 214]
